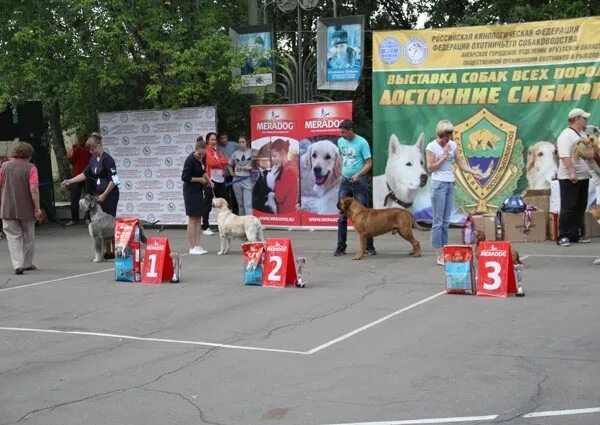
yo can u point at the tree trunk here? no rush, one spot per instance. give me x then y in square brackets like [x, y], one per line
[58, 142]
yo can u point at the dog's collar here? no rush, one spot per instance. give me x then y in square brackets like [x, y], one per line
[392, 196]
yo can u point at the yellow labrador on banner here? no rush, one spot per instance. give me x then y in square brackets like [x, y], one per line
[246, 227]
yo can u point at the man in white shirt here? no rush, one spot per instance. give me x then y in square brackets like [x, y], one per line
[573, 178]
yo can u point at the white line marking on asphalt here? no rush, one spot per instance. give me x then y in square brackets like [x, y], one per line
[56, 280]
[137, 338]
[374, 323]
[428, 421]
[562, 256]
[386, 252]
[525, 257]
[562, 412]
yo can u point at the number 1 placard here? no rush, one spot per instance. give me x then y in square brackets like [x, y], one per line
[158, 265]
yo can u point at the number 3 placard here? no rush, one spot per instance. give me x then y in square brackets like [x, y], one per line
[280, 266]
[496, 272]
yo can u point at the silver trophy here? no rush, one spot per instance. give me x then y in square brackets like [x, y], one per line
[301, 262]
[519, 276]
[176, 259]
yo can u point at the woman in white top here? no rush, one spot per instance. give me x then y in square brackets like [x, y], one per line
[440, 154]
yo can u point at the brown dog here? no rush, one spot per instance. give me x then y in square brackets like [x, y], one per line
[369, 222]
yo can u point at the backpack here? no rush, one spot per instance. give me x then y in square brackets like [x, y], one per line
[514, 204]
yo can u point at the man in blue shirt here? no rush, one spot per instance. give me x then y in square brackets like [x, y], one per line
[356, 163]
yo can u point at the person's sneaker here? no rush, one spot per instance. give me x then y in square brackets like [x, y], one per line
[70, 223]
[208, 232]
[339, 251]
[20, 270]
[371, 251]
[597, 261]
[439, 261]
[564, 242]
[198, 250]
[584, 240]
[109, 256]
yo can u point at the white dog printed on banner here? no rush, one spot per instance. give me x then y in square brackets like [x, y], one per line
[404, 177]
[321, 165]
[542, 165]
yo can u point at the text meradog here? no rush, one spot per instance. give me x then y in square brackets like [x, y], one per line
[318, 124]
[275, 125]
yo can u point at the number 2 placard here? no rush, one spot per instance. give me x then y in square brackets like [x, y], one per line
[280, 266]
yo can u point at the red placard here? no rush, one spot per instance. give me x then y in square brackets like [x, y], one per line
[157, 266]
[280, 264]
[496, 272]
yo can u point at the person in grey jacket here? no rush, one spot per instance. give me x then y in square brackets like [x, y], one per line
[240, 167]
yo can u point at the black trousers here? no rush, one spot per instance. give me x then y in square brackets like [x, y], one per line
[208, 197]
[573, 203]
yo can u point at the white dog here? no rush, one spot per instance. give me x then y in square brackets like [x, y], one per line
[404, 176]
[594, 131]
[322, 165]
[247, 227]
[542, 165]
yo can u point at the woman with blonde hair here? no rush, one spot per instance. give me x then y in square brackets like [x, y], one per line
[101, 174]
[440, 154]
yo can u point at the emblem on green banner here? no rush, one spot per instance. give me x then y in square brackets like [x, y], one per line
[489, 144]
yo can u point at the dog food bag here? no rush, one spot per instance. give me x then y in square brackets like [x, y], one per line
[127, 250]
[253, 259]
[458, 265]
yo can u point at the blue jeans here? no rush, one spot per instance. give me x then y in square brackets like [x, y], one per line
[442, 202]
[360, 191]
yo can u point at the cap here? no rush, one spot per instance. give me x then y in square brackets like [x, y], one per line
[339, 36]
[577, 112]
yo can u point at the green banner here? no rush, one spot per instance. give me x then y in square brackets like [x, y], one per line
[507, 90]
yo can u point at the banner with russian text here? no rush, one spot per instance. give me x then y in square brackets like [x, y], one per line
[507, 89]
[296, 163]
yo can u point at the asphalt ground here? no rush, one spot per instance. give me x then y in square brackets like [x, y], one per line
[371, 341]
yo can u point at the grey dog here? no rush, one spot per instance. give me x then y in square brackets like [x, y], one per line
[101, 227]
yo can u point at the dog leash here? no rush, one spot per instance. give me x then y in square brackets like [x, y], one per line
[237, 180]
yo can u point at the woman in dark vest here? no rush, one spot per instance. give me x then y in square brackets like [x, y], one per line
[20, 206]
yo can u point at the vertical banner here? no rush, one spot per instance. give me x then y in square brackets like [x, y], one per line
[507, 89]
[340, 50]
[298, 188]
[255, 44]
[149, 148]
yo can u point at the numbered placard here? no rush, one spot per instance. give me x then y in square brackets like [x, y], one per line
[496, 272]
[157, 266]
[280, 264]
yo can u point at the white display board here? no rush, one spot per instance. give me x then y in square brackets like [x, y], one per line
[149, 148]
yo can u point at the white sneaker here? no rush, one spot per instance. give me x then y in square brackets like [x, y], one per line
[198, 250]
[439, 261]
[208, 232]
[597, 261]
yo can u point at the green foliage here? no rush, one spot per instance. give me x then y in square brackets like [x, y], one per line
[86, 56]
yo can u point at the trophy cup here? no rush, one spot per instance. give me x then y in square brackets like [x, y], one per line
[176, 259]
[519, 276]
[301, 261]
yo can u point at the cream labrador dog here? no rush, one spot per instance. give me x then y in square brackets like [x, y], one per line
[542, 165]
[246, 228]
[323, 163]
